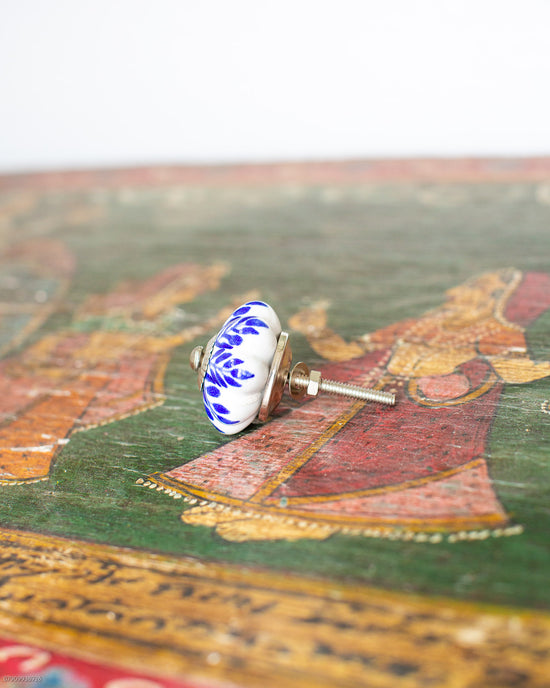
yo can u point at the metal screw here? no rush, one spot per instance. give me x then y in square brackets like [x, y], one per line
[304, 381]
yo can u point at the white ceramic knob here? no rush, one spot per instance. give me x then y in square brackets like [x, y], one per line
[238, 364]
[243, 371]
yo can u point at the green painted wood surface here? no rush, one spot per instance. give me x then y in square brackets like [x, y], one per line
[379, 252]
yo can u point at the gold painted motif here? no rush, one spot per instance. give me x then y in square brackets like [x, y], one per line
[211, 621]
[471, 323]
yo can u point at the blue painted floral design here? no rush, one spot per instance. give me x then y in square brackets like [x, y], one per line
[226, 369]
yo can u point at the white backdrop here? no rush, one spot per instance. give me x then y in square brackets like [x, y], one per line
[122, 82]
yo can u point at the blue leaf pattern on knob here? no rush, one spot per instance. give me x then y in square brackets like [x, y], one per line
[224, 369]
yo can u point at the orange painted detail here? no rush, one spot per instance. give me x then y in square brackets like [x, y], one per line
[108, 364]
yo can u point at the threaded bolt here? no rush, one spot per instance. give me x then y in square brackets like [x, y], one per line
[302, 381]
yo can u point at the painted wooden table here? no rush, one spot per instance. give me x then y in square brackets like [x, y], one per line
[339, 544]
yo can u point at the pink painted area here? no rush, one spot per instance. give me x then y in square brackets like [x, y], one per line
[444, 387]
[239, 468]
[128, 381]
[18, 393]
[130, 388]
[466, 495]
[29, 377]
[19, 662]
[383, 446]
[530, 300]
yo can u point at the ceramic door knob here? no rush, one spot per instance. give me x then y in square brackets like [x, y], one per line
[235, 366]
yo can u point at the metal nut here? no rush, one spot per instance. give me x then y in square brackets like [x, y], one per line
[314, 382]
